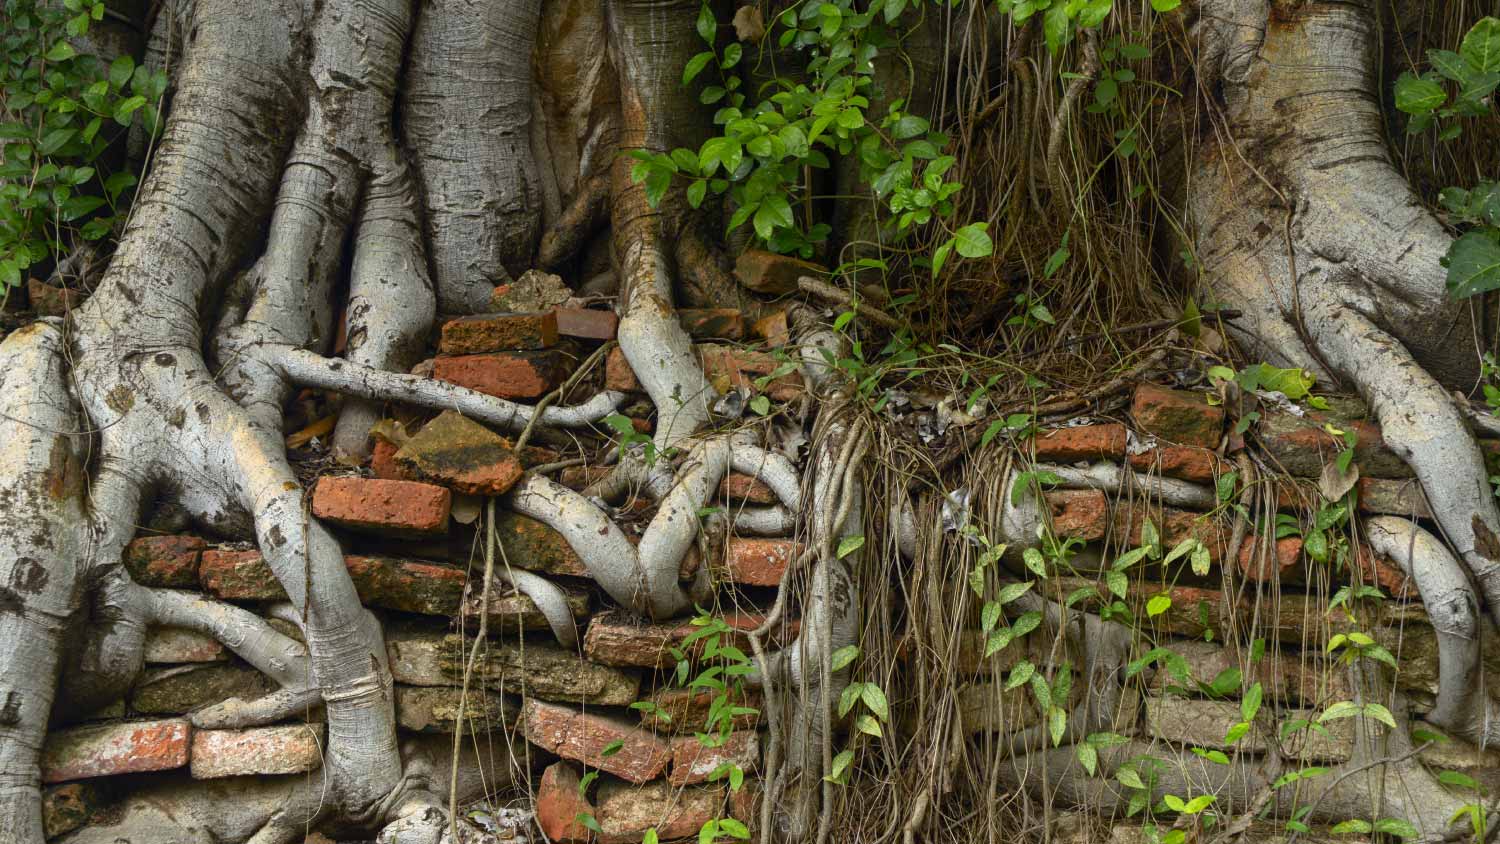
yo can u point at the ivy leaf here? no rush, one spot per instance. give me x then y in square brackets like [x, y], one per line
[1353, 825]
[849, 544]
[973, 241]
[696, 191]
[1158, 605]
[874, 698]
[120, 71]
[843, 656]
[1088, 757]
[940, 257]
[1473, 265]
[1164, 6]
[1481, 47]
[1057, 27]
[126, 108]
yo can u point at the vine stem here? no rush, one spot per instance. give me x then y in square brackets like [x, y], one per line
[479, 639]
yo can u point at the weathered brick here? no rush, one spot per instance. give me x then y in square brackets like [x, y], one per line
[1079, 513]
[1081, 442]
[462, 455]
[511, 612]
[617, 373]
[614, 638]
[582, 737]
[383, 460]
[1279, 565]
[1375, 569]
[1193, 611]
[392, 583]
[759, 562]
[693, 762]
[407, 585]
[534, 546]
[434, 709]
[506, 375]
[773, 329]
[626, 811]
[1301, 447]
[729, 368]
[1177, 416]
[381, 506]
[587, 323]
[741, 487]
[686, 710]
[167, 561]
[767, 272]
[176, 644]
[257, 751]
[549, 672]
[116, 748]
[559, 802]
[1393, 497]
[712, 323]
[1204, 723]
[533, 290]
[470, 335]
[1295, 677]
[1189, 463]
[69, 806]
[418, 651]
[50, 299]
[1173, 526]
[179, 690]
[239, 575]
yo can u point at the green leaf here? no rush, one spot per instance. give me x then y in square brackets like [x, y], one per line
[1250, 704]
[587, 820]
[1034, 561]
[1164, 6]
[849, 544]
[874, 698]
[695, 65]
[696, 191]
[1481, 47]
[1473, 265]
[1129, 777]
[1200, 559]
[1057, 27]
[1057, 724]
[760, 405]
[973, 241]
[1354, 825]
[1023, 672]
[1158, 605]
[126, 108]
[1088, 757]
[60, 52]
[1013, 591]
[940, 257]
[840, 765]
[1418, 95]
[843, 656]
[120, 71]
[612, 748]
[707, 27]
[55, 140]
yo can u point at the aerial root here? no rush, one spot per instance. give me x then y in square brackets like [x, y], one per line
[310, 369]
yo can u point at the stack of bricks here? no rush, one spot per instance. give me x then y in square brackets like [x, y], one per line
[402, 522]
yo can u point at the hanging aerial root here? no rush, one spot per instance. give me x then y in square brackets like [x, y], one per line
[586, 214]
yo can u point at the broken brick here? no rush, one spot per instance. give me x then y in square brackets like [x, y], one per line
[1079, 513]
[506, 375]
[461, 454]
[559, 802]
[1177, 416]
[693, 762]
[587, 323]
[1081, 442]
[123, 747]
[164, 561]
[712, 323]
[610, 744]
[1188, 463]
[759, 562]
[767, 272]
[381, 506]
[257, 751]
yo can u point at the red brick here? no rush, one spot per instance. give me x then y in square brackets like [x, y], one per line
[559, 802]
[587, 323]
[746, 488]
[1282, 564]
[1083, 442]
[1189, 463]
[167, 561]
[617, 373]
[767, 272]
[614, 638]
[582, 737]
[69, 806]
[1177, 416]
[383, 461]
[115, 748]
[284, 749]
[388, 582]
[759, 562]
[381, 506]
[1395, 497]
[1301, 447]
[773, 329]
[712, 323]
[239, 576]
[1079, 513]
[481, 333]
[51, 300]
[1375, 569]
[692, 762]
[626, 811]
[507, 375]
